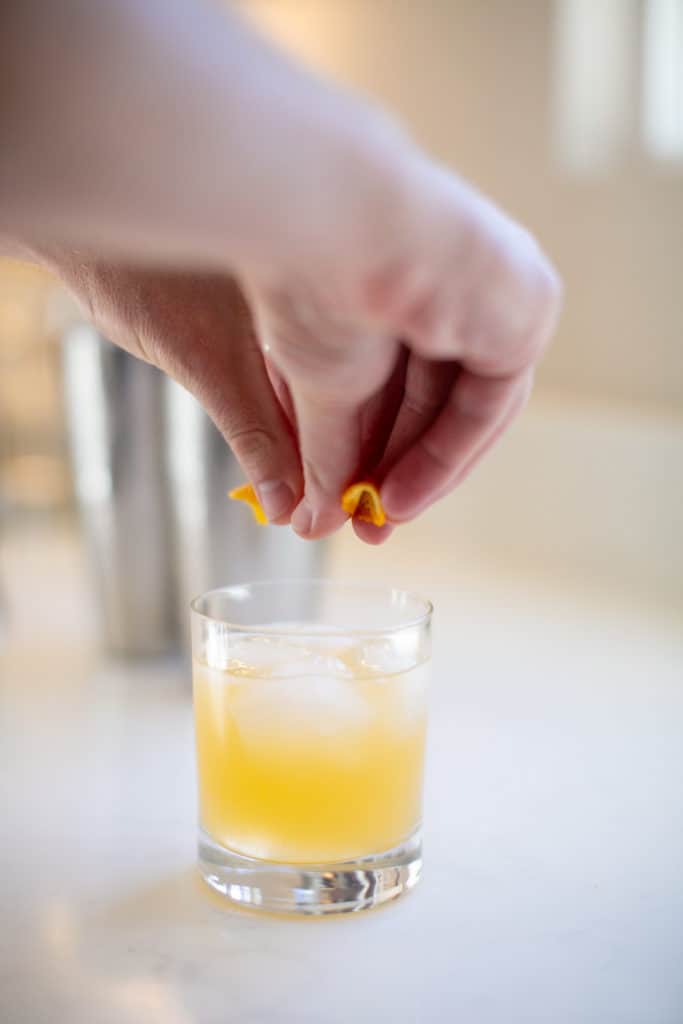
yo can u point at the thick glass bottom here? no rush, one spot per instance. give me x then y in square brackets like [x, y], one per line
[313, 889]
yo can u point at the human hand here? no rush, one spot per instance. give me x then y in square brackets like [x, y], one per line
[198, 329]
[409, 349]
[403, 313]
[401, 357]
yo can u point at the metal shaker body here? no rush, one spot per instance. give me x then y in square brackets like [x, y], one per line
[115, 417]
[151, 475]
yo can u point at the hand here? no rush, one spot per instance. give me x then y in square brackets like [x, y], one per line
[198, 329]
[402, 357]
[403, 313]
[410, 350]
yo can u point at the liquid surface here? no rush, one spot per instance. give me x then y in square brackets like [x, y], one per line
[308, 755]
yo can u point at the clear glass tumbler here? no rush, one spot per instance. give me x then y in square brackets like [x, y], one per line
[310, 719]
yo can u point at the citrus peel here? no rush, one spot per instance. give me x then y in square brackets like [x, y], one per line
[248, 495]
[362, 501]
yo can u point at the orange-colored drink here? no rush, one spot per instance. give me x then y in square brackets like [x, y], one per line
[309, 756]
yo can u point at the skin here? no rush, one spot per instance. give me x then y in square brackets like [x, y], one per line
[340, 304]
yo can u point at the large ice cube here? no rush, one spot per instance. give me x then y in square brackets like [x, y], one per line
[302, 705]
[258, 656]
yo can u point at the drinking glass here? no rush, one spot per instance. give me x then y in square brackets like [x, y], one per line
[310, 720]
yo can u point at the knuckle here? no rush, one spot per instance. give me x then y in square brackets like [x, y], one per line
[316, 479]
[420, 406]
[425, 395]
[251, 444]
[486, 400]
[435, 455]
[145, 344]
[525, 347]
[543, 283]
[481, 405]
[508, 329]
[550, 287]
[397, 293]
[549, 299]
[545, 305]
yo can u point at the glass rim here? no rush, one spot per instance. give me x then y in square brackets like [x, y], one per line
[259, 630]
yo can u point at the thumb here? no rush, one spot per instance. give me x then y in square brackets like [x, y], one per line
[233, 384]
[197, 328]
[240, 400]
[201, 333]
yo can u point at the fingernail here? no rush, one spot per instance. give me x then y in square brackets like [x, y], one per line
[302, 520]
[276, 498]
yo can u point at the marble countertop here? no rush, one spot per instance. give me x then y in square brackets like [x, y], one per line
[553, 883]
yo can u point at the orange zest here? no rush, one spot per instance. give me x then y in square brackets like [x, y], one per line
[362, 501]
[248, 495]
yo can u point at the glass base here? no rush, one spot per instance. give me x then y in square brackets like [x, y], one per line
[339, 888]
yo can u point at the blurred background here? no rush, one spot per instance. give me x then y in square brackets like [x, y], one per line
[569, 113]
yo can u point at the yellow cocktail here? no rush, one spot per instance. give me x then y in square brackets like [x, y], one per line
[309, 767]
[310, 719]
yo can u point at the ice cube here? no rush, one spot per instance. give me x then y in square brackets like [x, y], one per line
[300, 706]
[307, 665]
[259, 656]
[385, 656]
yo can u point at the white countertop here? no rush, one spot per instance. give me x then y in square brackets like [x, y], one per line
[553, 884]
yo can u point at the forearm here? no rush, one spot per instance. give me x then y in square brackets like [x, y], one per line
[166, 131]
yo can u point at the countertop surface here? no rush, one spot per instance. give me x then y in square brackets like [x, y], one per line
[553, 883]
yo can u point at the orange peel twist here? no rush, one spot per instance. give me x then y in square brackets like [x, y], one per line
[248, 495]
[360, 501]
